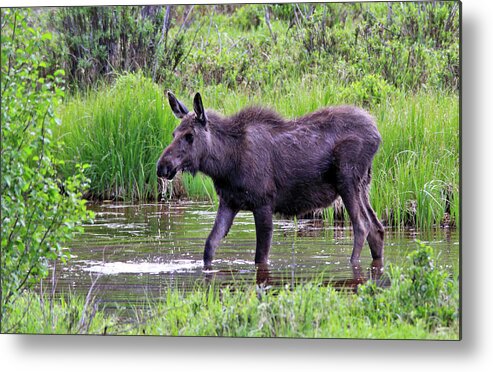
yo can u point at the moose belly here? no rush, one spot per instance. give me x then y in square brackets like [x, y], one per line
[303, 198]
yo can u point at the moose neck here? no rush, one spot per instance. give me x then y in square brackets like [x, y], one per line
[221, 156]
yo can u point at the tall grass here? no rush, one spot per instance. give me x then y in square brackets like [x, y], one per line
[121, 131]
[416, 172]
[35, 313]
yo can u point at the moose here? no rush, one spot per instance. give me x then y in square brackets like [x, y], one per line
[263, 163]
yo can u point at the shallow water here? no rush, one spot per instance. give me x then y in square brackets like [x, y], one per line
[135, 252]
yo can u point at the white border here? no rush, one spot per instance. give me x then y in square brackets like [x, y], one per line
[474, 353]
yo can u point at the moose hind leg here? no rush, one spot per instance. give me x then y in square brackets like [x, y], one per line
[376, 231]
[222, 224]
[359, 220]
[351, 168]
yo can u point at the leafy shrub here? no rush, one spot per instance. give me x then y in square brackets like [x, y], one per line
[409, 45]
[248, 17]
[369, 91]
[421, 292]
[101, 42]
[39, 210]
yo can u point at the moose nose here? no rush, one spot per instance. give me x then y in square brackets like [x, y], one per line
[162, 170]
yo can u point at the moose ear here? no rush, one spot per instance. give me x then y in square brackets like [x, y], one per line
[179, 109]
[198, 107]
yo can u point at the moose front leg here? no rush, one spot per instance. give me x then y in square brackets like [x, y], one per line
[263, 227]
[224, 219]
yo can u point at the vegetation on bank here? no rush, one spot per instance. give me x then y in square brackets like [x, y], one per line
[40, 209]
[422, 302]
[407, 45]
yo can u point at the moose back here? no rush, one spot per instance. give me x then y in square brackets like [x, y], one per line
[266, 164]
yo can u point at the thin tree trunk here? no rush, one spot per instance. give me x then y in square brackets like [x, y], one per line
[164, 38]
[267, 21]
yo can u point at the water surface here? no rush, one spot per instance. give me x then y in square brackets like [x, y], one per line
[136, 252]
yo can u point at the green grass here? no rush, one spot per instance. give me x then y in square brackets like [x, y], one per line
[417, 168]
[122, 130]
[33, 313]
[421, 303]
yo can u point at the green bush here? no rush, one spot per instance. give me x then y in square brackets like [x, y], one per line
[40, 211]
[422, 292]
[248, 17]
[369, 91]
[99, 41]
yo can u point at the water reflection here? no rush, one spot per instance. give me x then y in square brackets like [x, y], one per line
[375, 272]
[140, 251]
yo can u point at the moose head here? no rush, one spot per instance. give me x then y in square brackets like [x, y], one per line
[189, 139]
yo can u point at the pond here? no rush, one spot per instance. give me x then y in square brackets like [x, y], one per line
[133, 253]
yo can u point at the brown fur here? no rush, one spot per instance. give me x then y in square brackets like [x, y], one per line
[266, 164]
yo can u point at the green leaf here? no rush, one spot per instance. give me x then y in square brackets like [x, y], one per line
[46, 36]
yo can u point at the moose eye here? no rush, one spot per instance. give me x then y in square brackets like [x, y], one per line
[189, 137]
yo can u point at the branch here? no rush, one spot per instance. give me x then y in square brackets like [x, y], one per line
[10, 57]
[267, 21]
[182, 26]
[189, 50]
[164, 38]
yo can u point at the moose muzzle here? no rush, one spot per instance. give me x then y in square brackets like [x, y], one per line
[166, 169]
